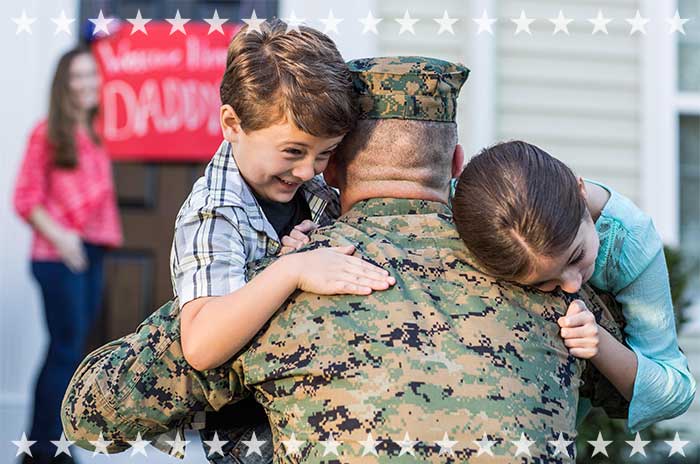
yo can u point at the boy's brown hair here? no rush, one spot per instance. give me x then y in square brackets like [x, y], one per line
[514, 203]
[297, 77]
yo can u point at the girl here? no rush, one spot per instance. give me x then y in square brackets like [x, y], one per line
[526, 218]
[64, 191]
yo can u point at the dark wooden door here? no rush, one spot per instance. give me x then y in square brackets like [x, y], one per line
[137, 276]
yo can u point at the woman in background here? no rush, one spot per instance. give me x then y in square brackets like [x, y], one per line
[65, 191]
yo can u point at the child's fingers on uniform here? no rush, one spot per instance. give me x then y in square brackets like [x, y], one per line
[575, 307]
[578, 319]
[581, 342]
[295, 234]
[587, 330]
[345, 250]
[306, 226]
[365, 268]
[352, 289]
[364, 281]
[583, 353]
[357, 272]
[369, 267]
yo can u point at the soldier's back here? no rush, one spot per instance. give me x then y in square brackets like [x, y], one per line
[447, 350]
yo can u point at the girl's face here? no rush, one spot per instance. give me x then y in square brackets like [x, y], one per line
[84, 82]
[573, 268]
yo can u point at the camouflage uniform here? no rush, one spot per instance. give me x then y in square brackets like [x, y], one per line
[446, 350]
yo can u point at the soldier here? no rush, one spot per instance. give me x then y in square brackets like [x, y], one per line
[447, 364]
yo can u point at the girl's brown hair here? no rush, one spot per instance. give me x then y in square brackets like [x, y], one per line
[299, 77]
[515, 203]
[61, 118]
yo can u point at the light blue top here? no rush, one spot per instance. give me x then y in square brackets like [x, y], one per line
[631, 265]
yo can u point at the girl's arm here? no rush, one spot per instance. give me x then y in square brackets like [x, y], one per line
[664, 387]
[616, 362]
[213, 329]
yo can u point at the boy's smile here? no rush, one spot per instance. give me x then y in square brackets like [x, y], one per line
[276, 160]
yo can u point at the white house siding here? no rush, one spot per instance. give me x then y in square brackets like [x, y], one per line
[577, 96]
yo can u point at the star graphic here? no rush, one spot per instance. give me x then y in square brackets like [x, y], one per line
[446, 23]
[292, 445]
[253, 23]
[407, 23]
[62, 23]
[23, 23]
[178, 445]
[138, 23]
[369, 446]
[446, 445]
[638, 23]
[676, 23]
[215, 445]
[484, 23]
[561, 23]
[62, 445]
[23, 445]
[600, 23]
[370, 23]
[215, 23]
[330, 445]
[484, 445]
[599, 445]
[638, 446]
[254, 445]
[331, 23]
[138, 445]
[100, 23]
[676, 446]
[561, 445]
[407, 445]
[523, 445]
[523, 23]
[100, 445]
[177, 23]
[293, 22]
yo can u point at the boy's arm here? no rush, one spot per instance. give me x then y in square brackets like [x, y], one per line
[142, 384]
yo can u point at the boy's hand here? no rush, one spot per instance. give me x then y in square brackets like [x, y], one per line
[333, 271]
[579, 330]
[298, 237]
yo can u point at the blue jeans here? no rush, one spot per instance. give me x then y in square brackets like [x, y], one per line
[71, 305]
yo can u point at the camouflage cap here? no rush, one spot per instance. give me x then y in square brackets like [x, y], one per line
[407, 87]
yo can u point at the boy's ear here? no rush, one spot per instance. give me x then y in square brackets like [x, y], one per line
[457, 161]
[230, 124]
[330, 174]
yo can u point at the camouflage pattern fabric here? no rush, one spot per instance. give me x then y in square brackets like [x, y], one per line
[407, 87]
[446, 350]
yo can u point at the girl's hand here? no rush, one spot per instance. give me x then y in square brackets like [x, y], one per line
[298, 237]
[579, 330]
[333, 271]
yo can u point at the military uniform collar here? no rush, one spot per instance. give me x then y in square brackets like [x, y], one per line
[395, 207]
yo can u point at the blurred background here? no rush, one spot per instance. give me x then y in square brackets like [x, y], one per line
[620, 108]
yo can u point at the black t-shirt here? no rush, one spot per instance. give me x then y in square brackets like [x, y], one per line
[284, 216]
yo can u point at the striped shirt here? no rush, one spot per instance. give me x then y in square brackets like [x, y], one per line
[221, 227]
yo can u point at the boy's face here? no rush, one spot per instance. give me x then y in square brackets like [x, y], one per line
[276, 160]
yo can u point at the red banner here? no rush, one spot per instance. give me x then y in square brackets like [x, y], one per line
[160, 92]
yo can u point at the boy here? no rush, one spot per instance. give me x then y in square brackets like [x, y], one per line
[287, 102]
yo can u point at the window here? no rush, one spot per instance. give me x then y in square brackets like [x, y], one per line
[688, 109]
